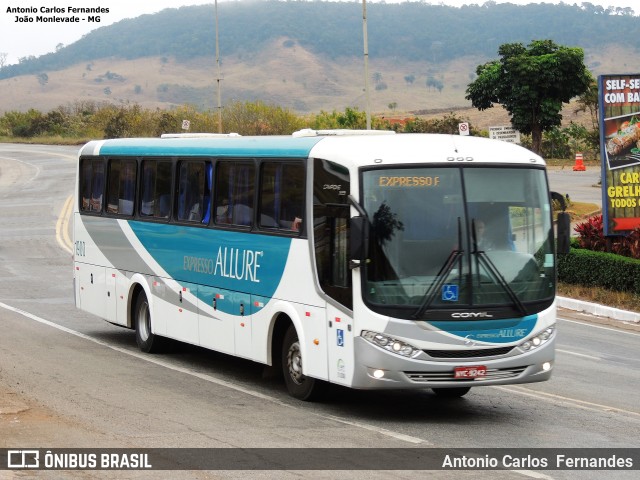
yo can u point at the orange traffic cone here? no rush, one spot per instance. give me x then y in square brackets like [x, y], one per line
[579, 166]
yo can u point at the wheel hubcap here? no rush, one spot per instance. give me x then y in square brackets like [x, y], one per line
[294, 362]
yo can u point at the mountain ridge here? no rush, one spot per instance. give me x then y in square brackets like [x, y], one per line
[274, 61]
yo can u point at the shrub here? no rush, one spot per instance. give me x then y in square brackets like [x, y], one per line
[591, 234]
[589, 263]
[599, 269]
[591, 237]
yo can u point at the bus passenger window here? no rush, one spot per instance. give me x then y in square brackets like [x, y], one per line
[234, 193]
[191, 191]
[98, 187]
[121, 186]
[91, 185]
[282, 196]
[155, 189]
[85, 185]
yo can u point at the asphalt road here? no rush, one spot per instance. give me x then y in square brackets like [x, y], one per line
[581, 186]
[69, 379]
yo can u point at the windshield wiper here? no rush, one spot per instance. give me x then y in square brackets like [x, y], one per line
[441, 277]
[484, 258]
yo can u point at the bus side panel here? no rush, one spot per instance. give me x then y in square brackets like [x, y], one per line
[314, 348]
[111, 300]
[92, 288]
[90, 271]
[123, 286]
[159, 305]
[262, 318]
[182, 316]
[217, 328]
[243, 325]
[340, 344]
[309, 322]
[297, 291]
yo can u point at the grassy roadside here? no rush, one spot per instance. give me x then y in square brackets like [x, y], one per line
[48, 140]
[622, 300]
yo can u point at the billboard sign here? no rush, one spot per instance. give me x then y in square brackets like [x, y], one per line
[619, 103]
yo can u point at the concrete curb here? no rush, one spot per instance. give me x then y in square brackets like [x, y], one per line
[599, 310]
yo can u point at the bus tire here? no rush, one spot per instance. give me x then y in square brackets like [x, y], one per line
[299, 385]
[451, 392]
[146, 340]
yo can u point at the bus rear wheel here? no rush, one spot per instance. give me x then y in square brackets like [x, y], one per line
[299, 385]
[451, 392]
[147, 341]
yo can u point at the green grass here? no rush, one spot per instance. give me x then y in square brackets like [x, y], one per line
[45, 140]
[622, 300]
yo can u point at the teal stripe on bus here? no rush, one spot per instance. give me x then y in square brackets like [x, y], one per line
[242, 262]
[258, 147]
[491, 331]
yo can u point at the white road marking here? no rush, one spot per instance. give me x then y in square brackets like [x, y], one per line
[573, 402]
[62, 226]
[602, 327]
[211, 379]
[569, 352]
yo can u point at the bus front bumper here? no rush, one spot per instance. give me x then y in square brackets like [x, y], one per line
[381, 369]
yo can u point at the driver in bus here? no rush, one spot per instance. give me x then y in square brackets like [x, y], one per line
[482, 241]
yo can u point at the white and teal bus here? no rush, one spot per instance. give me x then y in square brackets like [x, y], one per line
[367, 259]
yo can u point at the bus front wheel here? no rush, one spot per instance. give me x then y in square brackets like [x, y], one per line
[299, 385]
[147, 341]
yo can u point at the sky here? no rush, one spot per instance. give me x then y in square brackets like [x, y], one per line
[23, 39]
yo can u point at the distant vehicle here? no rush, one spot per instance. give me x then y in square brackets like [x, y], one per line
[366, 259]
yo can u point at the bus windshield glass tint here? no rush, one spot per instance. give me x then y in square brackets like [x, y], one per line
[457, 238]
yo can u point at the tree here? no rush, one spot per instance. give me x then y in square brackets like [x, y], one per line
[531, 84]
[588, 102]
[43, 78]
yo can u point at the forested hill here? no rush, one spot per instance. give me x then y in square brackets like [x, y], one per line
[409, 31]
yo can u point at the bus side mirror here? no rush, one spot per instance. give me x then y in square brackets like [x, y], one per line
[563, 235]
[358, 240]
[563, 225]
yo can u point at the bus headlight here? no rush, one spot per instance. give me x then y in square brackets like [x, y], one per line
[389, 343]
[538, 340]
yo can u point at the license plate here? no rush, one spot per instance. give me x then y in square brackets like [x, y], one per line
[479, 371]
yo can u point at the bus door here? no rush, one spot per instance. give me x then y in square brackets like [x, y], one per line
[331, 234]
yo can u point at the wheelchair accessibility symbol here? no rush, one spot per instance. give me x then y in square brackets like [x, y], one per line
[450, 293]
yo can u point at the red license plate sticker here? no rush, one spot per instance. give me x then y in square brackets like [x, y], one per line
[478, 371]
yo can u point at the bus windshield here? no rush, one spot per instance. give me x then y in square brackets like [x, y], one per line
[457, 237]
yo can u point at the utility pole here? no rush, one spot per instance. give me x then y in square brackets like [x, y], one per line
[218, 72]
[366, 63]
